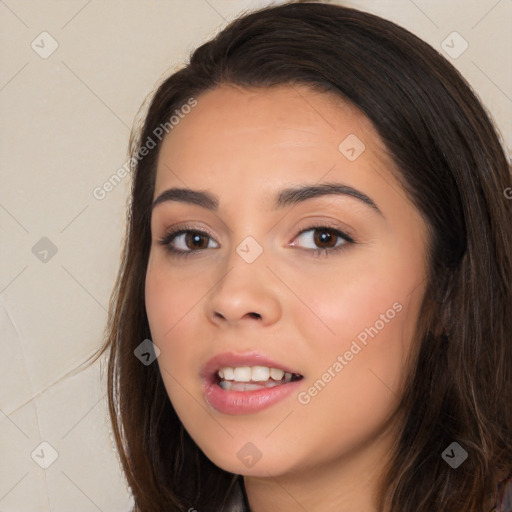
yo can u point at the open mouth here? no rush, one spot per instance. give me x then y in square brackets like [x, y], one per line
[239, 384]
[252, 378]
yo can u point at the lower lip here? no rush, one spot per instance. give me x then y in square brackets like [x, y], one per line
[247, 402]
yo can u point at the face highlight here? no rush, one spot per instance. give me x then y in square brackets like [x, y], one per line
[296, 243]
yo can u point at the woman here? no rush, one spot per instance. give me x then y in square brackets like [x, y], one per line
[319, 253]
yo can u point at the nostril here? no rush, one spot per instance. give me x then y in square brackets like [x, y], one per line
[255, 315]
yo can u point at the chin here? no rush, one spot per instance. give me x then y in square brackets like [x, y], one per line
[259, 459]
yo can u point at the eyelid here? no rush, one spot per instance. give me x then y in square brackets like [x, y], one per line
[312, 225]
[179, 228]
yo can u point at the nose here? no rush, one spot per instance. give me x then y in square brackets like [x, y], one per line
[246, 294]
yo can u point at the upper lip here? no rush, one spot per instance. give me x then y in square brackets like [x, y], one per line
[232, 359]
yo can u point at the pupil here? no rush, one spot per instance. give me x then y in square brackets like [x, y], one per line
[325, 237]
[195, 240]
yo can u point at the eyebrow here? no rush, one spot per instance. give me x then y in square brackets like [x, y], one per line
[286, 197]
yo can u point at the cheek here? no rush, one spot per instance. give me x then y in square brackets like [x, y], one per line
[365, 298]
[367, 318]
[168, 297]
[169, 308]
[355, 381]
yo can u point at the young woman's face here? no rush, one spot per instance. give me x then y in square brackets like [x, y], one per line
[275, 269]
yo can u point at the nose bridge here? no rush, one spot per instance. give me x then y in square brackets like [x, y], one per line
[250, 250]
[248, 235]
[245, 289]
[246, 268]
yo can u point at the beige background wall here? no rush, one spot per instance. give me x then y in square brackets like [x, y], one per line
[65, 122]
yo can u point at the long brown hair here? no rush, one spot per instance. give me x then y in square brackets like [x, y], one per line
[452, 166]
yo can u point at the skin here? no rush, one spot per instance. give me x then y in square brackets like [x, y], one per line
[244, 146]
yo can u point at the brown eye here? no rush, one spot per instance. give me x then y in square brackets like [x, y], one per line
[187, 241]
[325, 238]
[196, 240]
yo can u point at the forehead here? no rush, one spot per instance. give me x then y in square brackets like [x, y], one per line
[297, 109]
[283, 134]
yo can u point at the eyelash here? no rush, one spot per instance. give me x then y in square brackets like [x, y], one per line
[324, 252]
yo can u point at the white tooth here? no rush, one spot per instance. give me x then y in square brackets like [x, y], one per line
[276, 374]
[260, 373]
[228, 373]
[242, 373]
[220, 373]
[287, 377]
[243, 386]
[228, 385]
